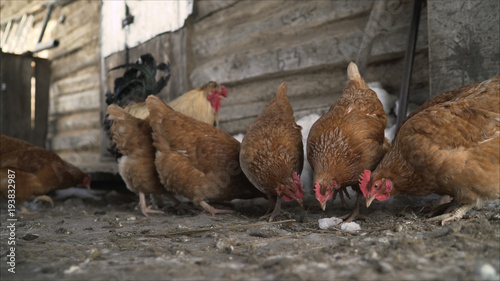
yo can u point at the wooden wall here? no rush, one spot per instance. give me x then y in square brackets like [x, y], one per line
[464, 42]
[253, 46]
[74, 122]
[24, 78]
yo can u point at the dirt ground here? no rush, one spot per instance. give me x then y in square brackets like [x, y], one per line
[106, 238]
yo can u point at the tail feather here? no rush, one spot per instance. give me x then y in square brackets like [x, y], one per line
[157, 111]
[127, 132]
[138, 110]
[157, 108]
[355, 79]
[116, 113]
[282, 91]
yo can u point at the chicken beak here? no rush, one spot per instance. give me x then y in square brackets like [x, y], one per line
[369, 200]
[323, 206]
[300, 202]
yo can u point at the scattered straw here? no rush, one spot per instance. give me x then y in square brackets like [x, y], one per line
[217, 228]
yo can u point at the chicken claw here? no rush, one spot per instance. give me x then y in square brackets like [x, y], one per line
[456, 215]
[277, 210]
[355, 212]
[213, 210]
[146, 209]
[46, 199]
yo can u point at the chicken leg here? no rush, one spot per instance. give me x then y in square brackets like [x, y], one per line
[146, 209]
[355, 212]
[213, 210]
[456, 215]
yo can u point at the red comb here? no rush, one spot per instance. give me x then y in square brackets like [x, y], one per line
[298, 184]
[223, 91]
[364, 179]
[317, 188]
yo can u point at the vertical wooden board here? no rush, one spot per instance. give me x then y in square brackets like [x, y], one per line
[16, 96]
[108, 85]
[464, 44]
[42, 78]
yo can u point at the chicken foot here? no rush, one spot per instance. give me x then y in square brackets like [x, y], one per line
[355, 212]
[213, 210]
[145, 210]
[46, 199]
[276, 211]
[456, 215]
[444, 206]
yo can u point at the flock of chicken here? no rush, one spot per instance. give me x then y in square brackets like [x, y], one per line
[449, 146]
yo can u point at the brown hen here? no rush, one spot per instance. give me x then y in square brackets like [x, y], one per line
[449, 148]
[195, 159]
[347, 140]
[36, 171]
[272, 155]
[133, 138]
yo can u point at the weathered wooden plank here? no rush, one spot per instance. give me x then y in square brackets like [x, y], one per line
[389, 73]
[42, 86]
[83, 80]
[302, 52]
[72, 34]
[202, 9]
[238, 66]
[87, 56]
[78, 121]
[256, 24]
[87, 100]
[464, 42]
[75, 40]
[16, 96]
[78, 141]
[88, 161]
[78, 14]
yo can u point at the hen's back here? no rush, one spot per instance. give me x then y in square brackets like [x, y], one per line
[37, 170]
[455, 145]
[272, 149]
[349, 138]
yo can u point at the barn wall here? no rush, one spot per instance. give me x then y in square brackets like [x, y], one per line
[464, 42]
[74, 124]
[253, 46]
[74, 77]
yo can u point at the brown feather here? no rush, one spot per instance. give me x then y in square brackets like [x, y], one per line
[272, 151]
[195, 159]
[134, 140]
[349, 138]
[450, 147]
[37, 170]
